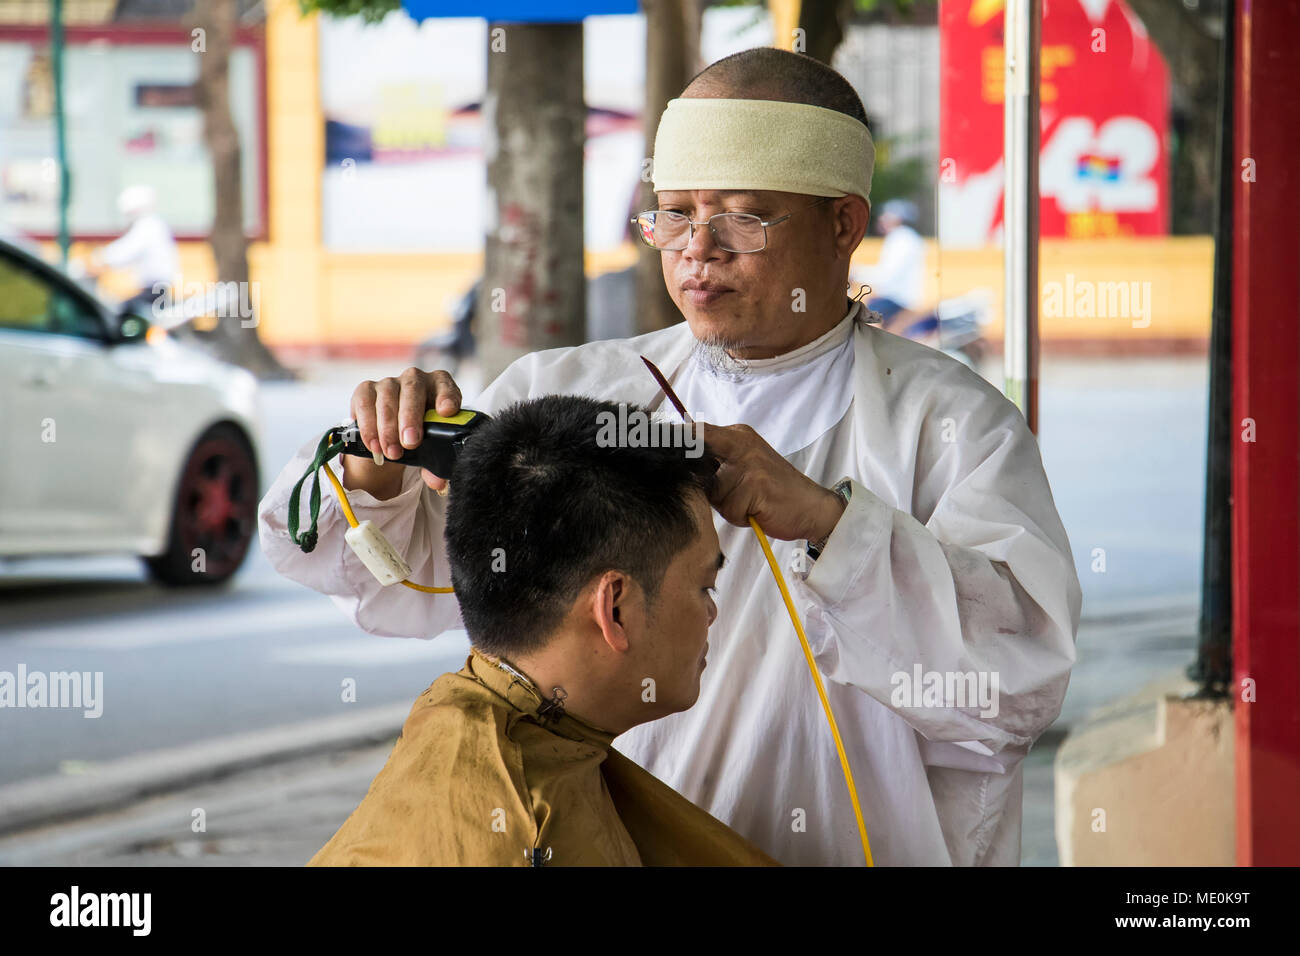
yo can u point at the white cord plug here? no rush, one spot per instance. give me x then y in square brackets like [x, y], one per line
[377, 554]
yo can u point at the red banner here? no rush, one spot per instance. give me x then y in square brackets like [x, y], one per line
[1104, 156]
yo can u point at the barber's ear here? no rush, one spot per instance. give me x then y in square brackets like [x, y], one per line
[609, 606]
[852, 221]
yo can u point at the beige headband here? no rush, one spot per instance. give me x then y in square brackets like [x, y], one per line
[709, 143]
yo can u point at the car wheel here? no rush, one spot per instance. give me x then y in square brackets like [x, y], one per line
[214, 514]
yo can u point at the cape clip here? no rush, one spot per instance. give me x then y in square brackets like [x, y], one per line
[553, 709]
[536, 857]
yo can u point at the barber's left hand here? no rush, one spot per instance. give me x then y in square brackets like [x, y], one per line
[754, 480]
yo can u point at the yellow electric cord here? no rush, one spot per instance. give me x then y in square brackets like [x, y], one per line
[352, 521]
[817, 679]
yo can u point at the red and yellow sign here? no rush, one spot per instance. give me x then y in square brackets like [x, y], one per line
[1104, 158]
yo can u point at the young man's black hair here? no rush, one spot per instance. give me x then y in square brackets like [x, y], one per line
[538, 508]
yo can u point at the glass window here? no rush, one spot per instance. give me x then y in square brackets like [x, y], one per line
[24, 301]
[32, 303]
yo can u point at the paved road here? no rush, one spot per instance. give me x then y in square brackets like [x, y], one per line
[1124, 447]
[181, 666]
[1123, 444]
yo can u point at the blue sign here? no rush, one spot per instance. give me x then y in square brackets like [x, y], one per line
[518, 11]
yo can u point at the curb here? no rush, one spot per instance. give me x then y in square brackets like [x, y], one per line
[1133, 610]
[58, 798]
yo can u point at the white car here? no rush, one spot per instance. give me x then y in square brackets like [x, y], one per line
[118, 440]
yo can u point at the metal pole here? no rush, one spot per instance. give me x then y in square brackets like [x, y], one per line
[1020, 205]
[1213, 667]
[60, 136]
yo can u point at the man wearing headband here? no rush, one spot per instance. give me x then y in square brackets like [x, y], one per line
[905, 496]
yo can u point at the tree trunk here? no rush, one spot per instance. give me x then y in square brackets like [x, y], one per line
[823, 27]
[1193, 53]
[534, 284]
[672, 58]
[234, 337]
[693, 30]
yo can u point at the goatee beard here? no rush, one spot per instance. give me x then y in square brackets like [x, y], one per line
[714, 353]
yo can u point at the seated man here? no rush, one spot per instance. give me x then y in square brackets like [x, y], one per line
[583, 574]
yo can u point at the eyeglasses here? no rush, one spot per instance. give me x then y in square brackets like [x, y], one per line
[733, 231]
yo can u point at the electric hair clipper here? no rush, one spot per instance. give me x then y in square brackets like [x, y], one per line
[438, 449]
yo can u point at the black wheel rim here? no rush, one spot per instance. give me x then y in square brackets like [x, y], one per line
[217, 505]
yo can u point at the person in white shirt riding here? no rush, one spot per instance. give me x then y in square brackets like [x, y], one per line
[897, 279]
[147, 250]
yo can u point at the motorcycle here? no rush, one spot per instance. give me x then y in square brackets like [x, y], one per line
[955, 326]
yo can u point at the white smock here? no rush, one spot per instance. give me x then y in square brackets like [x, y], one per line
[950, 557]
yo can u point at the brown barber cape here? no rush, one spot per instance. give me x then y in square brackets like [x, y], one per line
[477, 778]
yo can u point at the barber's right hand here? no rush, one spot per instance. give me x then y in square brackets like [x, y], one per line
[390, 416]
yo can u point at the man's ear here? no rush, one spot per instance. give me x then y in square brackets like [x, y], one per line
[609, 609]
[851, 223]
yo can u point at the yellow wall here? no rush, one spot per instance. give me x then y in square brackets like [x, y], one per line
[1179, 270]
[310, 295]
[289, 265]
[314, 297]
[400, 298]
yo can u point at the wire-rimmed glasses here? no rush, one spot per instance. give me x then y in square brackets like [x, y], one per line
[670, 231]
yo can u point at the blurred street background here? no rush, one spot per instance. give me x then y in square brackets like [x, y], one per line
[344, 238]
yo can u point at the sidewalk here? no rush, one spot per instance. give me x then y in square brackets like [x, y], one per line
[282, 811]
[278, 815]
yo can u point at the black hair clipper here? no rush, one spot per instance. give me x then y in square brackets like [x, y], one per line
[443, 439]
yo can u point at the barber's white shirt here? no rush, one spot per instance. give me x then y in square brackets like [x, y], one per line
[950, 558]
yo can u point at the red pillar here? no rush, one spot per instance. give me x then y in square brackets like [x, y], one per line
[1266, 471]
